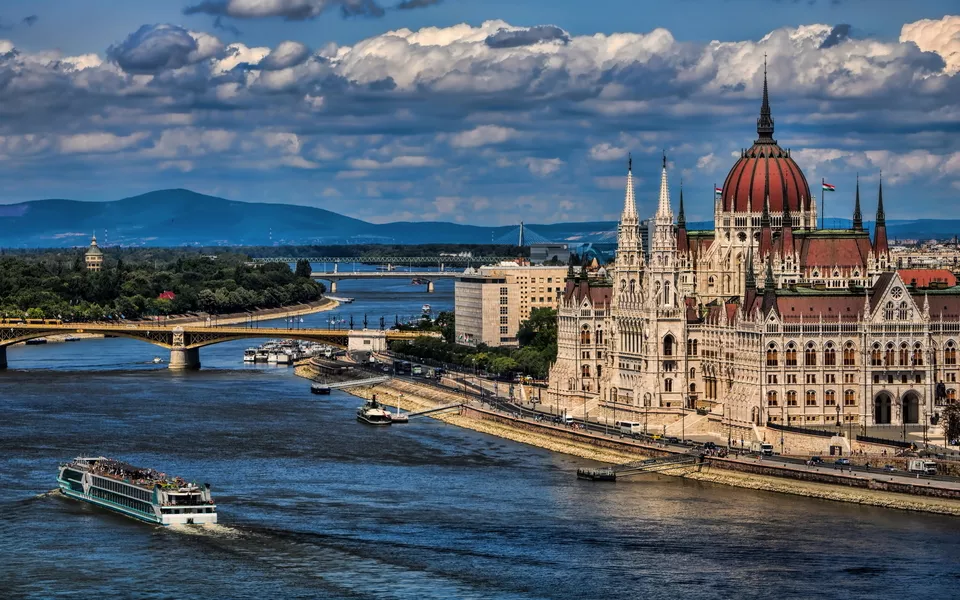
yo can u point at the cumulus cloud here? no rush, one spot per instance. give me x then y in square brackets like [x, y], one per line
[940, 36]
[482, 136]
[513, 38]
[708, 162]
[837, 35]
[155, 48]
[291, 10]
[541, 167]
[607, 151]
[98, 142]
[287, 54]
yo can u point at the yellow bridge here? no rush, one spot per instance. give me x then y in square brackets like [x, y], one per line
[185, 341]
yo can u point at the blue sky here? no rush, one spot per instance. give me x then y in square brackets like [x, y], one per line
[478, 112]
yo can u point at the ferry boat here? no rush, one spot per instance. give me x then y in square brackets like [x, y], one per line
[373, 413]
[320, 388]
[250, 355]
[144, 494]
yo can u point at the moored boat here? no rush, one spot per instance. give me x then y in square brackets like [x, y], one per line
[250, 355]
[36, 341]
[373, 413]
[143, 494]
[320, 388]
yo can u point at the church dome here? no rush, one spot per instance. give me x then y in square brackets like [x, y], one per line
[765, 170]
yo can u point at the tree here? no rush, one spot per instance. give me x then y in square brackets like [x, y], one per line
[540, 329]
[951, 421]
[303, 268]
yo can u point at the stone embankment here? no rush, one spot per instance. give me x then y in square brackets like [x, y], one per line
[858, 489]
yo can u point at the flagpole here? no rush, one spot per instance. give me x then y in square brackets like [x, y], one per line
[822, 181]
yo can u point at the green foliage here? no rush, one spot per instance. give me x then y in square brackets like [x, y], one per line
[303, 268]
[950, 419]
[52, 285]
[538, 347]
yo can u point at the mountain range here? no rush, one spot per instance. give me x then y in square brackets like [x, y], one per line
[181, 217]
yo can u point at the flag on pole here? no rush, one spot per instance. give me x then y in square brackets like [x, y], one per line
[829, 187]
[717, 191]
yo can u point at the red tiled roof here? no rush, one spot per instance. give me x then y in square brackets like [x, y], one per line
[922, 278]
[166, 296]
[829, 252]
[848, 307]
[599, 295]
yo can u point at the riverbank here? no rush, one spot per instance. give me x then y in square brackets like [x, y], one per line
[412, 396]
[283, 312]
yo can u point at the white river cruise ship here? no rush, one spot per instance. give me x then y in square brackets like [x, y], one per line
[144, 494]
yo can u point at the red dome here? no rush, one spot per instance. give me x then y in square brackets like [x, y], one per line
[765, 169]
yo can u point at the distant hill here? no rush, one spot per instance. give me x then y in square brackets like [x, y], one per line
[180, 217]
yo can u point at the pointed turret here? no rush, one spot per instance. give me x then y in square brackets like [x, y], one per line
[765, 122]
[786, 231]
[664, 211]
[857, 215]
[629, 200]
[766, 234]
[880, 245]
[750, 278]
[683, 244]
[769, 290]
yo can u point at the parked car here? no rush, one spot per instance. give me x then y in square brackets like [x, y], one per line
[842, 462]
[709, 446]
[673, 439]
[814, 461]
[889, 469]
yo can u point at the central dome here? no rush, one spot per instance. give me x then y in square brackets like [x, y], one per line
[765, 171]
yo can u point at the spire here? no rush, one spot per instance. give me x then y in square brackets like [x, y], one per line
[769, 291]
[681, 218]
[629, 201]
[683, 244]
[750, 278]
[765, 122]
[857, 215]
[766, 235]
[880, 245]
[663, 206]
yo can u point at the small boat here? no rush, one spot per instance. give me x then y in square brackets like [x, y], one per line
[373, 413]
[426, 308]
[36, 341]
[71, 338]
[157, 360]
[320, 388]
[250, 355]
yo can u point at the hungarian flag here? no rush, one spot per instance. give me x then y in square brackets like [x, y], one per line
[829, 187]
[717, 191]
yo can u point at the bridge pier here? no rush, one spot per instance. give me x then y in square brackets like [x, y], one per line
[333, 287]
[184, 359]
[3, 357]
[430, 287]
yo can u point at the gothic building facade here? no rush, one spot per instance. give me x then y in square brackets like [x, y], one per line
[765, 319]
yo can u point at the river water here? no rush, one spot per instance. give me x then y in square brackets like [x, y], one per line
[313, 504]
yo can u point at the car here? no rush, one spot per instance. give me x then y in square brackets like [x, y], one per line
[709, 446]
[673, 439]
[842, 462]
[815, 460]
[656, 437]
[889, 469]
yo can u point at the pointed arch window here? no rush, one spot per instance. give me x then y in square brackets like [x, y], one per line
[876, 356]
[849, 398]
[904, 355]
[849, 355]
[829, 355]
[918, 354]
[889, 356]
[791, 355]
[668, 346]
[950, 354]
[772, 398]
[772, 356]
[810, 355]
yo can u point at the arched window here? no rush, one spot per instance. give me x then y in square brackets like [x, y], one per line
[585, 335]
[772, 358]
[585, 370]
[668, 385]
[917, 354]
[599, 371]
[829, 398]
[811, 399]
[693, 373]
[849, 355]
[829, 355]
[791, 355]
[888, 311]
[876, 357]
[710, 283]
[950, 354]
[771, 398]
[904, 354]
[791, 398]
[902, 313]
[849, 398]
[952, 395]
[599, 336]
[666, 293]
[810, 355]
[668, 346]
[633, 285]
[888, 358]
[689, 347]
[695, 350]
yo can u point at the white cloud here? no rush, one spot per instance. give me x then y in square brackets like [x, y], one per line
[482, 136]
[98, 142]
[541, 167]
[606, 151]
[941, 36]
[395, 162]
[708, 162]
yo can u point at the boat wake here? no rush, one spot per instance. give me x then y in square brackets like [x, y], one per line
[207, 530]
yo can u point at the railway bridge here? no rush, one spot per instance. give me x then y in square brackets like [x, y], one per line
[185, 341]
[423, 277]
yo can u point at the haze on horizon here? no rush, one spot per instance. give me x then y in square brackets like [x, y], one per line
[481, 113]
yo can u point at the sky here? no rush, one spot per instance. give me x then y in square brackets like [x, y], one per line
[482, 112]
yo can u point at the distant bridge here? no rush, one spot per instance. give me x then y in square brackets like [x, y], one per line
[427, 277]
[440, 261]
[185, 341]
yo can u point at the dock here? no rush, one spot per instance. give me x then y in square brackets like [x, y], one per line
[650, 465]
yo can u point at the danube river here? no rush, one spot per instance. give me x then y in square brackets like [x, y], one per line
[314, 505]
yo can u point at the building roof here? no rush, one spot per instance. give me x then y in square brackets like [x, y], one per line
[924, 278]
[835, 248]
[599, 293]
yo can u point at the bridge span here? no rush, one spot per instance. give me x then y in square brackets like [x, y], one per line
[185, 341]
[426, 277]
[424, 261]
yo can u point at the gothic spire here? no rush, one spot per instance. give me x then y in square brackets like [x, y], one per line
[663, 206]
[750, 279]
[880, 245]
[881, 216]
[629, 201]
[857, 215]
[765, 122]
[681, 218]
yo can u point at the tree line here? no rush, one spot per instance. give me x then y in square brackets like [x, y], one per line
[58, 285]
[537, 339]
